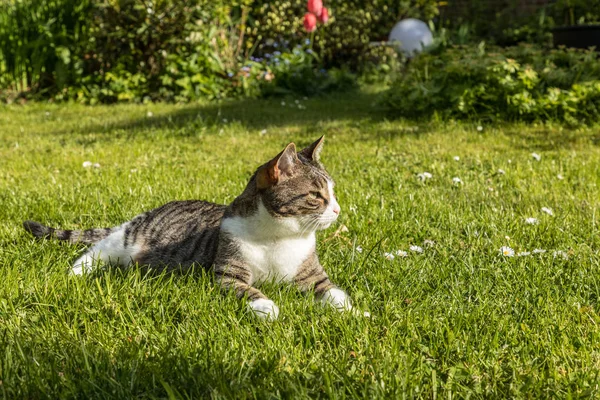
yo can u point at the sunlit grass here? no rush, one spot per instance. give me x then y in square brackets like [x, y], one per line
[459, 318]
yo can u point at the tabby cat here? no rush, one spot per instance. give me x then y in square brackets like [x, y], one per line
[266, 233]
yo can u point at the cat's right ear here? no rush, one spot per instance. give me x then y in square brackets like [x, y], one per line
[313, 151]
[281, 167]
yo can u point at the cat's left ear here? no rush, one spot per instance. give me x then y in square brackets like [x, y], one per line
[278, 168]
[313, 151]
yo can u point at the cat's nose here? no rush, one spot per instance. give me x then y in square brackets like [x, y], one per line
[336, 210]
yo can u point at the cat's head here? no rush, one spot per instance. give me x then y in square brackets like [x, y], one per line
[295, 185]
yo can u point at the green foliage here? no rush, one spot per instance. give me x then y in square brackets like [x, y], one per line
[577, 12]
[345, 39]
[41, 43]
[519, 83]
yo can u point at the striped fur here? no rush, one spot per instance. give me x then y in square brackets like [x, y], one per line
[266, 233]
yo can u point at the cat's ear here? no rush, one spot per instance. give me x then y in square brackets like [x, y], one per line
[281, 167]
[313, 151]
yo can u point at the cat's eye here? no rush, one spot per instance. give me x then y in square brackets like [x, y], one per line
[314, 195]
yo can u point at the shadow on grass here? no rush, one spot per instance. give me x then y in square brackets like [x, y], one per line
[253, 114]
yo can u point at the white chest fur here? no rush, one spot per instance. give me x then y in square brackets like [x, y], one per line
[278, 260]
[270, 248]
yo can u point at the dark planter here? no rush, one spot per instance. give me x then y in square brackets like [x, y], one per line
[579, 36]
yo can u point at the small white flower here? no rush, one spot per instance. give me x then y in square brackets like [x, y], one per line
[283, 103]
[96, 165]
[538, 251]
[224, 120]
[359, 249]
[510, 161]
[149, 114]
[531, 221]
[388, 256]
[479, 128]
[305, 98]
[560, 253]
[501, 172]
[428, 243]
[416, 249]
[424, 175]
[352, 208]
[133, 170]
[560, 177]
[456, 180]
[47, 113]
[507, 251]
[401, 253]
[263, 132]
[297, 101]
[524, 254]
[536, 156]
[87, 164]
[456, 158]
[547, 210]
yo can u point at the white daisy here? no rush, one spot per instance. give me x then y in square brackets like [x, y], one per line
[428, 243]
[87, 164]
[501, 172]
[388, 256]
[560, 253]
[536, 156]
[479, 128]
[283, 103]
[401, 253]
[425, 175]
[531, 221]
[560, 177]
[456, 180]
[359, 249]
[507, 251]
[96, 165]
[510, 161]
[149, 114]
[263, 132]
[456, 158]
[224, 120]
[416, 249]
[524, 254]
[547, 210]
[538, 251]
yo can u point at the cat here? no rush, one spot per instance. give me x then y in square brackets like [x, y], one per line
[266, 233]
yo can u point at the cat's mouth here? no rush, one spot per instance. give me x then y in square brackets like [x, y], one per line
[318, 223]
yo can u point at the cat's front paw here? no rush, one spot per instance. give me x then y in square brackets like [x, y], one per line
[264, 309]
[339, 300]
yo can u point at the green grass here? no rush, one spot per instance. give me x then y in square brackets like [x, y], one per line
[458, 320]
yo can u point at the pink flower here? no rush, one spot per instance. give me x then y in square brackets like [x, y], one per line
[315, 7]
[324, 17]
[310, 22]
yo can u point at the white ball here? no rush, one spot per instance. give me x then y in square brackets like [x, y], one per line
[411, 36]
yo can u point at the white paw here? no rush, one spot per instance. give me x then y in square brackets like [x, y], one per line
[339, 300]
[264, 309]
[77, 270]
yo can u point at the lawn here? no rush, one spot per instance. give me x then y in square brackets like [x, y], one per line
[455, 320]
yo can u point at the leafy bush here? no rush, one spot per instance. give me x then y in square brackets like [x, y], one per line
[518, 83]
[41, 42]
[342, 42]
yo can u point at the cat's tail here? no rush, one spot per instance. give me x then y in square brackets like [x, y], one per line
[89, 236]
